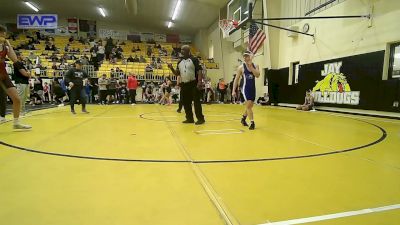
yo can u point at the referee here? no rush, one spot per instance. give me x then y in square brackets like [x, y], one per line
[74, 78]
[190, 73]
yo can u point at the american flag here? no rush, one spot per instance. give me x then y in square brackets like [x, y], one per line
[256, 38]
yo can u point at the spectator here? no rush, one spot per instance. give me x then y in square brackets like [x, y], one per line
[94, 48]
[142, 59]
[149, 95]
[63, 66]
[308, 102]
[88, 89]
[264, 100]
[21, 78]
[28, 64]
[54, 57]
[94, 61]
[221, 87]
[100, 53]
[130, 59]
[46, 92]
[123, 94]
[58, 93]
[119, 73]
[119, 49]
[103, 91]
[71, 39]
[149, 68]
[132, 86]
[38, 88]
[47, 48]
[209, 92]
[81, 40]
[164, 52]
[85, 60]
[31, 56]
[149, 51]
[175, 93]
[53, 48]
[54, 66]
[66, 48]
[92, 43]
[112, 72]
[31, 47]
[93, 53]
[136, 59]
[123, 60]
[112, 90]
[38, 35]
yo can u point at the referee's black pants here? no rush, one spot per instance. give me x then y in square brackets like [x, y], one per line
[189, 94]
[180, 100]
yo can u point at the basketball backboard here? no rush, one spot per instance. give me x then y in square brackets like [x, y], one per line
[238, 10]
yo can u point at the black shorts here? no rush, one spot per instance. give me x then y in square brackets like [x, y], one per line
[112, 91]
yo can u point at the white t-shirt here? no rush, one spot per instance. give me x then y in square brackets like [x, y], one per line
[101, 50]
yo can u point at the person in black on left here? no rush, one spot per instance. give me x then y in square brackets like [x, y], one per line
[74, 78]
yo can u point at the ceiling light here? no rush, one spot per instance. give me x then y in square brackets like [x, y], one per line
[177, 8]
[169, 24]
[101, 10]
[34, 8]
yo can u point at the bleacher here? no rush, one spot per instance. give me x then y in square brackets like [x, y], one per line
[105, 67]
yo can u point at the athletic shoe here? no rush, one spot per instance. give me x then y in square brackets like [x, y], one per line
[179, 111]
[73, 112]
[3, 120]
[252, 126]
[133, 104]
[21, 127]
[188, 121]
[199, 122]
[84, 111]
[244, 123]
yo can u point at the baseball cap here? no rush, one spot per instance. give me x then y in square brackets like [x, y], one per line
[247, 52]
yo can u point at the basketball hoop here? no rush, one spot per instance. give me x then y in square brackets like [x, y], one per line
[226, 26]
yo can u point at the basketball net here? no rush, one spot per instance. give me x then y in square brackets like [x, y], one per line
[226, 26]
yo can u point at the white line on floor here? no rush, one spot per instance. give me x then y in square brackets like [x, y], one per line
[217, 132]
[201, 131]
[364, 118]
[220, 133]
[335, 216]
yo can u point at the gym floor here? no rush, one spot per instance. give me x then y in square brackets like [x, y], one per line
[125, 164]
